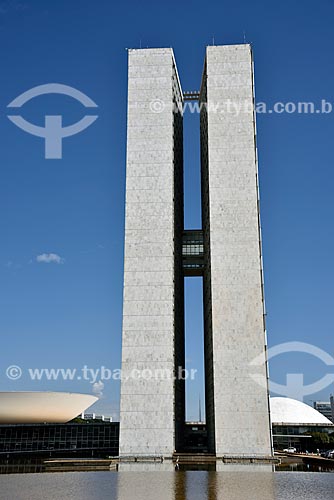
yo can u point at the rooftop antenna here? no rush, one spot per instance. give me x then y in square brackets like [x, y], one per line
[213, 39]
[140, 43]
[245, 37]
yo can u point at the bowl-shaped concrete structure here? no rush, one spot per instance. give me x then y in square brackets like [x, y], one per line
[42, 407]
[286, 411]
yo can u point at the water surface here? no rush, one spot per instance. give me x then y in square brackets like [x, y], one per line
[180, 485]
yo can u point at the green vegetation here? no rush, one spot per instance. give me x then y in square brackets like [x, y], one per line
[322, 440]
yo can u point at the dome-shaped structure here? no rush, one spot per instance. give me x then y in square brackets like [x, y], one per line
[40, 407]
[291, 411]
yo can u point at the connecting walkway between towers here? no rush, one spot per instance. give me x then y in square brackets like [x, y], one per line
[192, 252]
[192, 95]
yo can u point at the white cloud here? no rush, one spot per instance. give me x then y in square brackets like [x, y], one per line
[48, 258]
[98, 389]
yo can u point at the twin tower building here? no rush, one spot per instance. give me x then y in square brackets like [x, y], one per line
[225, 251]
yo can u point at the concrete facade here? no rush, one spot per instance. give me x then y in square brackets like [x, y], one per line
[153, 409]
[152, 317]
[237, 407]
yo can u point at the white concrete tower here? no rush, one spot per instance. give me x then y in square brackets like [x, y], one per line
[152, 407]
[226, 251]
[237, 407]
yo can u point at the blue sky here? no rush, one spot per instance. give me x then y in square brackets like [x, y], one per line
[69, 314]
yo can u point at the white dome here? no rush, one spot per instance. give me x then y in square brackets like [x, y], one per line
[40, 407]
[290, 411]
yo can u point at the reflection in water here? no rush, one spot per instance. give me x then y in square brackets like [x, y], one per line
[21, 466]
[250, 484]
[153, 484]
[180, 485]
[235, 483]
[244, 482]
[301, 467]
[197, 485]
